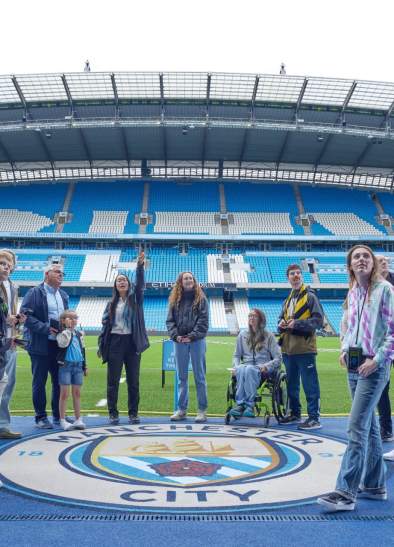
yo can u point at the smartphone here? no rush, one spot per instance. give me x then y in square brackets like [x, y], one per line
[54, 324]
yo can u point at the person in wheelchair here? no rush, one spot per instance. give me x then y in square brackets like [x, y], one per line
[257, 357]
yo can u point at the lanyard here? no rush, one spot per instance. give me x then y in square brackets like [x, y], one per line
[360, 313]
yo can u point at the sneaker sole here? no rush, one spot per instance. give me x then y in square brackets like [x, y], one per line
[178, 419]
[334, 507]
[377, 497]
[388, 459]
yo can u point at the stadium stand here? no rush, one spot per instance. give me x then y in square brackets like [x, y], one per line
[332, 269]
[35, 211]
[260, 223]
[108, 222]
[333, 312]
[173, 196]
[100, 267]
[93, 202]
[90, 311]
[279, 213]
[278, 265]
[217, 315]
[340, 212]
[183, 222]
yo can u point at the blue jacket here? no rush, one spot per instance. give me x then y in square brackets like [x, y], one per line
[35, 306]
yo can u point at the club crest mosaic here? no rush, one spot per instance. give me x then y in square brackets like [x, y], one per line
[174, 467]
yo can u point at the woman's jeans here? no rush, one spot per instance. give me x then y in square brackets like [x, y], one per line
[196, 352]
[248, 380]
[362, 464]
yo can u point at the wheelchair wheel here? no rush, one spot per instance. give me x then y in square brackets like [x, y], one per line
[280, 399]
[227, 418]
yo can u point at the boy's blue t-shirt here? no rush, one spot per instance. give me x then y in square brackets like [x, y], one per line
[74, 353]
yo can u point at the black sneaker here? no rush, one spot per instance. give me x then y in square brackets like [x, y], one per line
[336, 502]
[291, 419]
[376, 494]
[134, 419]
[310, 423]
[113, 419]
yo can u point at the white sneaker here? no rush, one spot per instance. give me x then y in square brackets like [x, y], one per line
[178, 416]
[389, 456]
[78, 424]
[65, 425]
[201, 417]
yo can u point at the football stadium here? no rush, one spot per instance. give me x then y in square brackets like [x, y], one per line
[232, 177]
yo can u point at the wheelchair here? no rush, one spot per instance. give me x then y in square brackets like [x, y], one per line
[271, 398]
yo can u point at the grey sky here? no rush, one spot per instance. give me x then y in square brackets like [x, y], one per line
[337, 38]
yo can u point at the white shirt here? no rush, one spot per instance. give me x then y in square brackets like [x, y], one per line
[119, 326]
[7, 287]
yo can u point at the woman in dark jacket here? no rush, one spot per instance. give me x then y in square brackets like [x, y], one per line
[187, 325]
[122, 340]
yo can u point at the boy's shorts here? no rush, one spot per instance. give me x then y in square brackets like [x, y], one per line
[71, 373]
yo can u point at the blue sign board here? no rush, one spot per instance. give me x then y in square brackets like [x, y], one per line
[168, 356]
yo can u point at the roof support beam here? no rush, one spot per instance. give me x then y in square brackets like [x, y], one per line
[162, 118]
[85, 147]
[282, 150]
[253, 102]
[244, 145]
[21, 96]
[5, 151]
[206, 128]
[300, 97]
[68, 93]
[245, 139]
[363, 154]
[346, 101]
[115, 90]
[44, 146]
[322, 151]
[388, 116]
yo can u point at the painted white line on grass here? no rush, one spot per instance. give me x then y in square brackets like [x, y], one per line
[102, 402]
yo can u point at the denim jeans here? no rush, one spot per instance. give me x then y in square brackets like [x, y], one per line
[248, 380]
[303, 366]
[41, 366]
[10, 370]
[196, 352]
[384, 409]
[362, 464]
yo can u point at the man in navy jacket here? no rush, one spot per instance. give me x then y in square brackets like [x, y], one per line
[43, 306]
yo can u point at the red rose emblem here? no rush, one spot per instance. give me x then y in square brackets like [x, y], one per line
[185, 468]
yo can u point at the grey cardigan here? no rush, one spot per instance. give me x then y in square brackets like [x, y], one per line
[269, 355]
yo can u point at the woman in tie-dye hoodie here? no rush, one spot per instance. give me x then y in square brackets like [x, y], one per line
[369, 327]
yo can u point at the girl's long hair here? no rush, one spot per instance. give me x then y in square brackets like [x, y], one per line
[373, 278]
[177, 292]
[129, 300]
[256, 339]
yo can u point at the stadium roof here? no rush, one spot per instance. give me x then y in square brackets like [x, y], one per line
[219, 125]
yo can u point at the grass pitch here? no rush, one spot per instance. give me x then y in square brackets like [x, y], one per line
[335, 398]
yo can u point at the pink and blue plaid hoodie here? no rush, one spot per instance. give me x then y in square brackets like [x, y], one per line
[376, 330]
